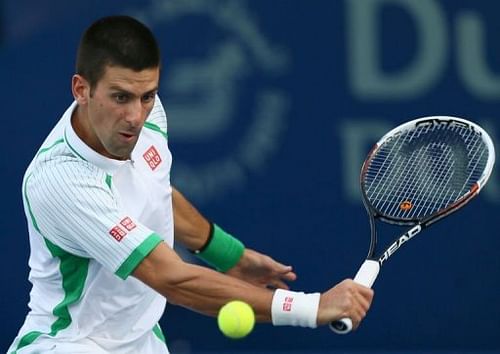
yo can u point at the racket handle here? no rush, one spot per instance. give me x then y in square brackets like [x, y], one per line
[366, 276]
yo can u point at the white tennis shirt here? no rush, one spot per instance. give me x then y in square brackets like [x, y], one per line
[91, 221]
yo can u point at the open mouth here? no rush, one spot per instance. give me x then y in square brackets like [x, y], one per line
[127, 136]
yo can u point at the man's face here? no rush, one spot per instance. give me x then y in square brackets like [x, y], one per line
[117, 109]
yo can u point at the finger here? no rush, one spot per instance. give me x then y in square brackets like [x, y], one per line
[277, 284]
[278, 264]
[357, 316]
[366, 298]
[280, 268]
[363, 301]
[367, 292]
[360, 315]
[360, 310]
[289, 276]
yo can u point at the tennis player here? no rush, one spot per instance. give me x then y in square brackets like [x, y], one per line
[102, 219]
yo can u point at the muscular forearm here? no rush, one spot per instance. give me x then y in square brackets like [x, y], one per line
[199, 288]
[212, 244]
[206, 291]
[190, 227]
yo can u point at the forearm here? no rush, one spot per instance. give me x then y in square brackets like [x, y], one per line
[198, 288]
[191, 229]
[206, 291]
[212, 244]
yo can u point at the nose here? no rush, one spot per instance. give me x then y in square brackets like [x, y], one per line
[136, 113]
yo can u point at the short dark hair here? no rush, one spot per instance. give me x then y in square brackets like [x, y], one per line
[116, 41]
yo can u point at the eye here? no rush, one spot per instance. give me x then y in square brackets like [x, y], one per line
[148, 98]
[121, 97]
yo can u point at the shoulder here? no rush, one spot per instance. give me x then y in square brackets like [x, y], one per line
[62, 177]
[157, 119]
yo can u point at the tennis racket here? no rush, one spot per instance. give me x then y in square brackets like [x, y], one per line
[415, 175]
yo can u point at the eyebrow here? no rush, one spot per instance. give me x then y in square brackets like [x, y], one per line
[121, 89]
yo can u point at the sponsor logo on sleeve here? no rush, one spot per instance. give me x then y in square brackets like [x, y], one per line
[118, 232]
[127, 223]
[152, 157]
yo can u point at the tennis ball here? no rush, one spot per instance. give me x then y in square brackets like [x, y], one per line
[236, 319]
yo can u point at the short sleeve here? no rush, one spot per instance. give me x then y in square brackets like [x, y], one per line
[157, 118]
[72, 205]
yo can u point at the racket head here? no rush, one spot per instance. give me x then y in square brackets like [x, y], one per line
[416, 174]
[425, 169]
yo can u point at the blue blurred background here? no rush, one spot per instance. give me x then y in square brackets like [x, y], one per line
[272, 107]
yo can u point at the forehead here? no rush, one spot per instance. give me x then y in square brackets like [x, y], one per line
[116, 77]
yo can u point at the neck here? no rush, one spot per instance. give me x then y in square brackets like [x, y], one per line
[81, 127]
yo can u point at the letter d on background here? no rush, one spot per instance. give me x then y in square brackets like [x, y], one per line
[367, 79]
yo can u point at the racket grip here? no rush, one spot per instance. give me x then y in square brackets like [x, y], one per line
[366, 276]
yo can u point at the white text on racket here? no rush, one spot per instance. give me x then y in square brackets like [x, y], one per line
[395, 246]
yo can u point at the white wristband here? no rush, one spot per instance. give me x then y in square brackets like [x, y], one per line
[290, 308]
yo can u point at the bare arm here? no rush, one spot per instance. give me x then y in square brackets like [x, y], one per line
[203, 290]
[198, 288]
[190, 228]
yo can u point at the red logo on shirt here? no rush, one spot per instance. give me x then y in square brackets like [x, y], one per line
[127, 223]
[118, 233]
[287, 304]
[152, 157]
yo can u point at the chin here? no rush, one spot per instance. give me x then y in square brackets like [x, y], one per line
[119, 154]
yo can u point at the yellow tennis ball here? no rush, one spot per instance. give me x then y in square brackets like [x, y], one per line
[236, 319]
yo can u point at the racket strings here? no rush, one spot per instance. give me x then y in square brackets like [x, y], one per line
[381, 169]
[431, 185]
[440, 165]
[419, 172]
[438, 196]
[393, 182]
[443, 169]
[391, 175]
[422, 196]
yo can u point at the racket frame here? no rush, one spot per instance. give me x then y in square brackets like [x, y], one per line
[370, 268]
[417, 225]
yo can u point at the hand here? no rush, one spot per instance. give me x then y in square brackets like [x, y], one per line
[346, 299]
[262, 270]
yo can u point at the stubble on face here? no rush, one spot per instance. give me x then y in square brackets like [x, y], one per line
[112, 119]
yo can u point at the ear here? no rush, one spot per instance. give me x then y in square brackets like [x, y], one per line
[81, 89]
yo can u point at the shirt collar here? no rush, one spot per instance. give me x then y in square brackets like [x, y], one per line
[82, 150]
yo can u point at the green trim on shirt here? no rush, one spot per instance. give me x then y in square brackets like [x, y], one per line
[72, 148]
[155, 128]
[159, 333]
[27, 339]
[42, 150]
[108, 180]
[73, 271]
[25, 195]
[137, 255]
